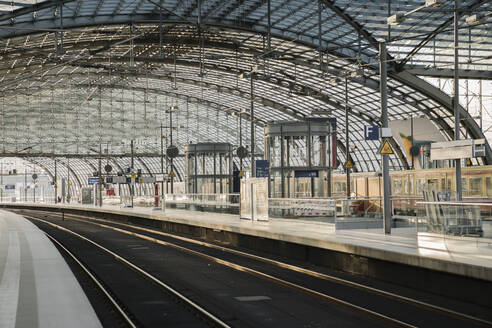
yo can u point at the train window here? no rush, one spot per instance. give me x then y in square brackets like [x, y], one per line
[488, 186]
[476, 186]
[396, 188]
[420, 186]
[432, 184]
[408, 187]
[340, 187]
[449, 185]
[464, 187]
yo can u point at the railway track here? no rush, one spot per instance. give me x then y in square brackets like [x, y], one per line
[382, 305]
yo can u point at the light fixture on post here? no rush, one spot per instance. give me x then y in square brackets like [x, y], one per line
[396, 19]
[434, 3]
[475, 19]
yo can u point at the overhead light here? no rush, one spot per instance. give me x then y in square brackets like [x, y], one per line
[396, 19]
[434, 3]
[357, 72]
[474, 19]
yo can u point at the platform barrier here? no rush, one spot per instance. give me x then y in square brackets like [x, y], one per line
[222, 203]
[318, 209]
[461, 219]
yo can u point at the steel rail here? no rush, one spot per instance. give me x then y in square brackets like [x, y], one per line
[281, 265]
[95, 280]
[238, 268]
[197, 307]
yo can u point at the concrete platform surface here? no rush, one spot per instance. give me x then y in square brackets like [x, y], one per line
[467, 256]
[37, 288]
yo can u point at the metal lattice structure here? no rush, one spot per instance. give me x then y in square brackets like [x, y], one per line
[84, 75]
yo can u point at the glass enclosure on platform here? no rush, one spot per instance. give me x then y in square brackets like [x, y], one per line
[208, 168]
[300, 153]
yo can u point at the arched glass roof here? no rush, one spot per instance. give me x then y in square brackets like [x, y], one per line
[84, 76]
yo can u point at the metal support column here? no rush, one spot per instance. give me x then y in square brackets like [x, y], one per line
[161, 50]
[132, 181]
[162, 163]
[411, 133]
[456, 101]
[25, 184]
[1, 181]
[240, 140]
[347, 140]
[283, 161]
[330, 165]
[69, 194]
[320, 34]
[252, 118]
[99, 185]
[56, 185]
[269, 27]
[384, 122]
[171, 142]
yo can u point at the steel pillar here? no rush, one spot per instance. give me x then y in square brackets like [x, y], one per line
[456, 101]
[384, 121]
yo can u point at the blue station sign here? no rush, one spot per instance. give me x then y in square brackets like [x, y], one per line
[306, 174]
[92, 181]
[371, 132]
[262, 168]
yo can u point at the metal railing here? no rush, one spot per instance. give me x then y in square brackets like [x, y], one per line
[223, 203]
[322, 209]
[463, 219]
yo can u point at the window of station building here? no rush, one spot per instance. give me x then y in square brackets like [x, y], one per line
[318, 151]
[275, 148]
[488, 186]
[476, 186]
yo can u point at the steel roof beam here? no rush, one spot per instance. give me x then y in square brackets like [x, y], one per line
[441, 28]
[449, 73]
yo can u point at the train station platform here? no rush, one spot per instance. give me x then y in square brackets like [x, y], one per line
[37, 288]
[468, 257]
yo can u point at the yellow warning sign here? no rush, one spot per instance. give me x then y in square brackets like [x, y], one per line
[133, 176]
[171, 174]
[68, 184]
[241, 173]
[101, 180]
[468, 162]
[349, 165]
[385, 148]
[140, 180]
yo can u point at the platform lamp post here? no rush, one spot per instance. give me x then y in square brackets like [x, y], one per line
[398, 19]
[172, 151]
